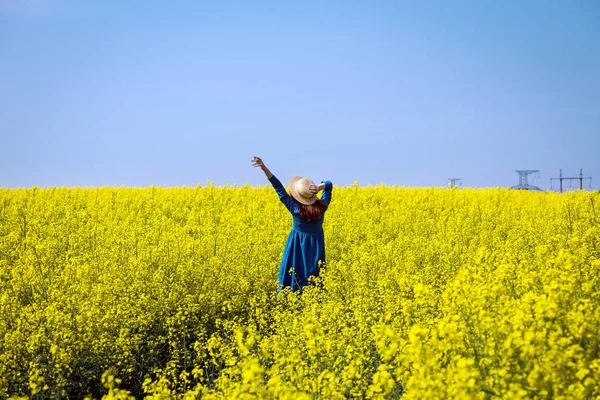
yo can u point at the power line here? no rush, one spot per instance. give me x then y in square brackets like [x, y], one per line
[570, 179]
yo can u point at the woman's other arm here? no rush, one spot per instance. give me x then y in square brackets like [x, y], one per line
[326, 187]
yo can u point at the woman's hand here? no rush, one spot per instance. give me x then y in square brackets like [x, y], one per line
[258, 162]
[315, 189]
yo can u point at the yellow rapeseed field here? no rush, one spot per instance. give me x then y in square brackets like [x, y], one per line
[170, 293]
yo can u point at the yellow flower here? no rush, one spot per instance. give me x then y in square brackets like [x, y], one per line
[426, 293]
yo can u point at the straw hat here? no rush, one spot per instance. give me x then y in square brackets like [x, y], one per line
[300, 192]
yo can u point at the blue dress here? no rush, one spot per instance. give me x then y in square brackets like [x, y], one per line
[305, 246]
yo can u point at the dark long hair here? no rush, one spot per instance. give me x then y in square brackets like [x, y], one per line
[312, 212]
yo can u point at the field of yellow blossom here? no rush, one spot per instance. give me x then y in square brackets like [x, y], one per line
[170, 293]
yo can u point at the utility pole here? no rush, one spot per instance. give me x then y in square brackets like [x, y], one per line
[570, 179]
[453, 182]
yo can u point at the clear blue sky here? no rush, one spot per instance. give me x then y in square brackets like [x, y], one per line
[137, 93]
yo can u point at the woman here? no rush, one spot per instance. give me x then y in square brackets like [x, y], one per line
[305, 247]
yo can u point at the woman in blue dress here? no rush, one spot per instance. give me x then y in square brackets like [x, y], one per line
[305, 248]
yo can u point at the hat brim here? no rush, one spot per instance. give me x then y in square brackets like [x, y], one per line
[294, 192]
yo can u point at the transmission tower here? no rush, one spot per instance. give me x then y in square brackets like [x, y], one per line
[454, 182]
[523, 180]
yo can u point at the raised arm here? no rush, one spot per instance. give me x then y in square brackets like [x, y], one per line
[327, 189]
[281, 192]
[258, 162]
